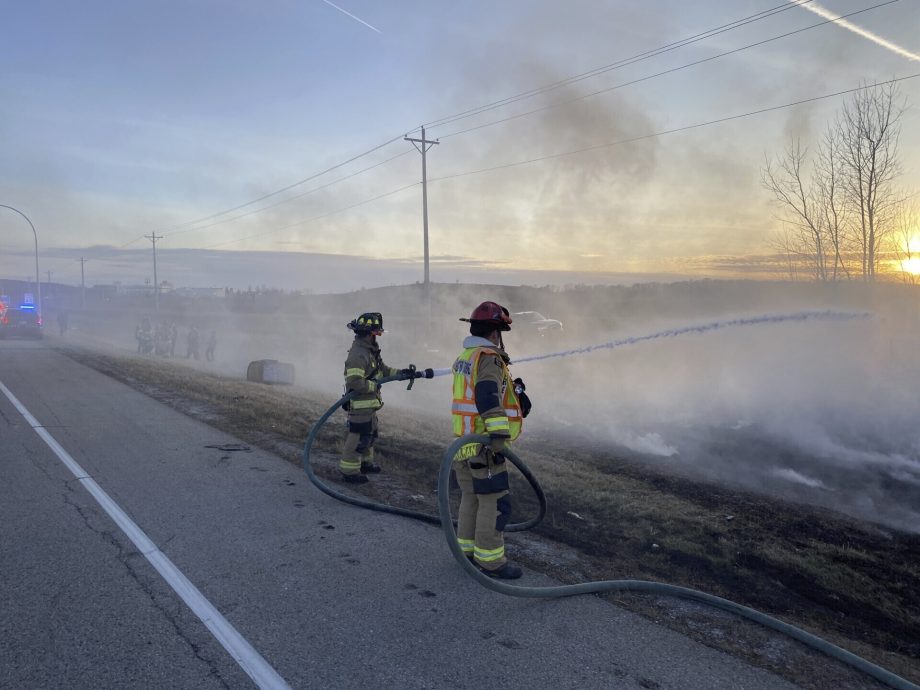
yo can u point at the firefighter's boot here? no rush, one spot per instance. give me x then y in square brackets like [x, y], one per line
[509, 571]
[355, 479]
[369, 467]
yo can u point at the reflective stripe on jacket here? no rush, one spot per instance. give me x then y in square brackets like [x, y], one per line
[465, 414]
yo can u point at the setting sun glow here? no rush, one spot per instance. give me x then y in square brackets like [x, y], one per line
[911, 266]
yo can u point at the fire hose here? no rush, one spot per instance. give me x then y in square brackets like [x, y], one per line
[446, 522]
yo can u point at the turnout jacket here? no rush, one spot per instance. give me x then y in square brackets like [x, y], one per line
[484, 398]
[363, 368]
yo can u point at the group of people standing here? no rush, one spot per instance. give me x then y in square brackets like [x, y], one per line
[486, 401]
[161, 340]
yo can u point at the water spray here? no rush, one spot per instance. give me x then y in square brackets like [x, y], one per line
[798, 317]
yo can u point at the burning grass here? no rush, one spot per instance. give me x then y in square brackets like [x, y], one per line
[855, 584]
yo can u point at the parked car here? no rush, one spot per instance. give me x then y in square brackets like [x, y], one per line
[534, 321]
[20, 321]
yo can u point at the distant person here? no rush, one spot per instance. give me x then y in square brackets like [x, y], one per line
[144, 337]
[212, 344]
[62, 320]
[364, 367]
[486, 401]
[173, 337]
[193, 341]
[162, 339]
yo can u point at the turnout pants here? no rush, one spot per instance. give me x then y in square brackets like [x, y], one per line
[485, 507]
[359, 443]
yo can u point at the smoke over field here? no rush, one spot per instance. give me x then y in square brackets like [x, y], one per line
[820, 412]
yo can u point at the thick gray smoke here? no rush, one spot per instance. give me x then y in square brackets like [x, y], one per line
[820, 413]
[817, 412]
[814, 411]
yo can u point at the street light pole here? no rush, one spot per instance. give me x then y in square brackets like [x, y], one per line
[38, 282]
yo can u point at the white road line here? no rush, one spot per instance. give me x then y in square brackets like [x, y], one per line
[242, 652]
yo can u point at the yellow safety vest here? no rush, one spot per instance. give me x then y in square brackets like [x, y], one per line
[464, 412]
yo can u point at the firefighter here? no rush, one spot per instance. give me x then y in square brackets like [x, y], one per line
[486, 401]
[363, 368]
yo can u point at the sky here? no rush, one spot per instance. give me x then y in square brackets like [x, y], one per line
[119, 120]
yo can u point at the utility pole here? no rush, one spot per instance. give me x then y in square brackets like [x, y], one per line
[422, 145]
[49, 283]
[156, 285]
[82, 283]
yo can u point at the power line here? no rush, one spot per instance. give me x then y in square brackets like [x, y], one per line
[657, 51]
[70, 269]
[662, 73]
[596, 147]
[288, 187]
[562, 154]
[669, 131]
[654, 52]
[698, 37]
[293, 198]
[298, 223]
[736, 24]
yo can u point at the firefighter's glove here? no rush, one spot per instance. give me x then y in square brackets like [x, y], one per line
[524, 399]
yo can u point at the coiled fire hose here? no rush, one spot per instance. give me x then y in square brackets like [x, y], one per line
[445, 520]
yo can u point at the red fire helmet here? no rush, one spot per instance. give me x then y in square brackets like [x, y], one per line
[491, 313]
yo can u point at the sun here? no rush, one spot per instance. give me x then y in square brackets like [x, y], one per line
[911, 266]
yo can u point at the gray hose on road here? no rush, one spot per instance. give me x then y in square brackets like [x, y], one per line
[831, 650]
[405, 512]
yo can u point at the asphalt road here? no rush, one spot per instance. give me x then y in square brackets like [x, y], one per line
[327, 594]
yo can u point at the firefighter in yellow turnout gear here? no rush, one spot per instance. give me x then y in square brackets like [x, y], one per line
[364, 367]
[486, 401]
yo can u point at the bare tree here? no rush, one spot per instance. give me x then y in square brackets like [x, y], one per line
[868, 128]
[799, 201]
[831, 200]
